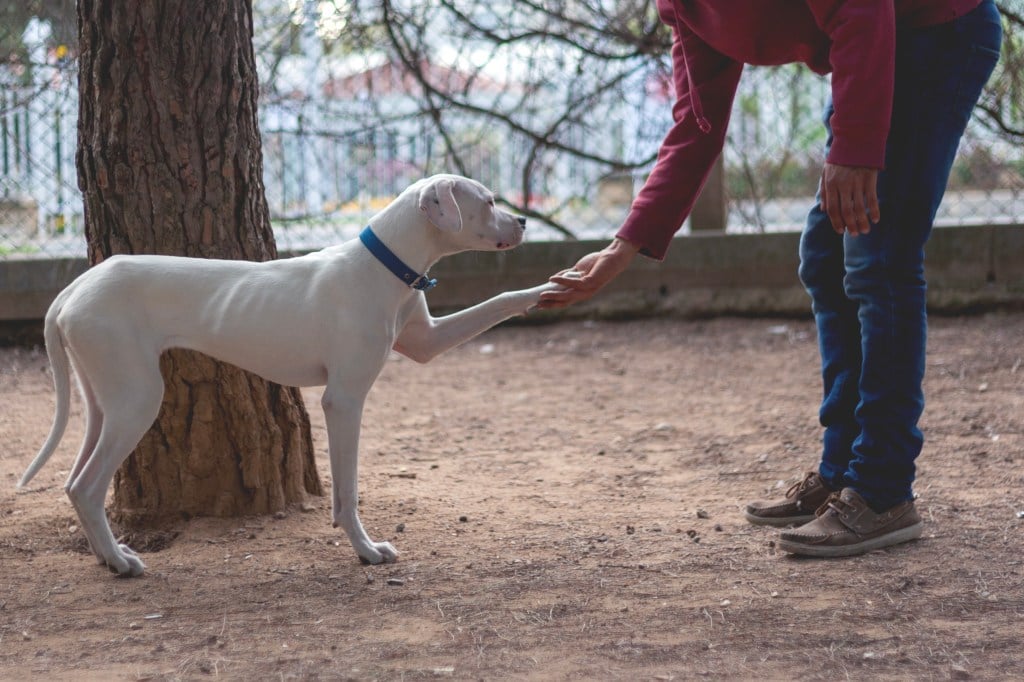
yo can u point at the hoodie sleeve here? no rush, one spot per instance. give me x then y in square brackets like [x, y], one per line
[863, 60]
[687, 153]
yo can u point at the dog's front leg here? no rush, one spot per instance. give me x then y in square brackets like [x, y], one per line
[424, 337]
[343, 410]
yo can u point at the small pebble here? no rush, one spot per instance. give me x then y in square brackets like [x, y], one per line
[395, 581]
[400, 528]
[280, 515]
[463, 519]
[701, 514]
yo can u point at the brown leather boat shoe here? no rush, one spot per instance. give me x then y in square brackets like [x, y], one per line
[845, 526]
[798, 506]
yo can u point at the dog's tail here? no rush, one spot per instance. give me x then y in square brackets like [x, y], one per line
[60, 365]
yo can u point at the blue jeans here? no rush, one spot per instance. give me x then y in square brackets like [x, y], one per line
[868, 291]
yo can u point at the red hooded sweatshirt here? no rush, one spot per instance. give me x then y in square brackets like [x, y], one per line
[855, 40]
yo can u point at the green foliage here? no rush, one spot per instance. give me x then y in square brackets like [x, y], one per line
[8, 250]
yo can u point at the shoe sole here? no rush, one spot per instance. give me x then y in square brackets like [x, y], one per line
[894, 538]
[778, 521]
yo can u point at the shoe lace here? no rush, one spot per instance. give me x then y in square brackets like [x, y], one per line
[836, 503]
[802, 486]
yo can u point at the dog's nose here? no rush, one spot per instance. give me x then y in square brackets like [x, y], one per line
[522, 221]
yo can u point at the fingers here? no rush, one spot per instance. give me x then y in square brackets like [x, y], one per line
[569, 273]
[585, 264]
[590, 274]
[551, 300]
[849, 196]
[874, 212]
[830, 203]
[854, 212]
[570, 278]
[574, 289]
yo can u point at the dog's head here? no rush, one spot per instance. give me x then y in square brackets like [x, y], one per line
[464, 210]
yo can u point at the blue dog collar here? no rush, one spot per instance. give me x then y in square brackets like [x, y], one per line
[394, 263]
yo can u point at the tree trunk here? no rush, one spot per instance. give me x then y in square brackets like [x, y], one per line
[169, 161]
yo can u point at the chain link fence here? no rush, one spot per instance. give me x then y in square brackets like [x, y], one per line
[40, 205]
[332, 157]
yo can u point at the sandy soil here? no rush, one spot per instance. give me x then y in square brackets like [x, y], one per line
[567, 500]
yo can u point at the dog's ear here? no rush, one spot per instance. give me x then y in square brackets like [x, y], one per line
[437, 200]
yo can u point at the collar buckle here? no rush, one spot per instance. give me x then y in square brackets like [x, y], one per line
[422, 283]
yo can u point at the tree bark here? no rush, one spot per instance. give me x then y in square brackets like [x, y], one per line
[169, 162]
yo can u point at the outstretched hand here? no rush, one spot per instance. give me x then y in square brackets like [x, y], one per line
[849, 195]
[590, 274]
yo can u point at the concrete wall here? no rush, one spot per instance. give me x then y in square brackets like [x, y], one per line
[28, 286]
[968, 268]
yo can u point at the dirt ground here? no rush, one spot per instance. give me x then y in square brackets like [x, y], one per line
[567, 500]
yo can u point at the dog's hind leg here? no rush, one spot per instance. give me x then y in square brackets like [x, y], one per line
[343, 409]
[93, 424]
[128, 411]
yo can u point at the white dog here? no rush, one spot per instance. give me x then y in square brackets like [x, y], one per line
[326, 319]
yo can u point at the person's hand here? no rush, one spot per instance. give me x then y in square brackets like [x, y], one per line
[590, 274]
[849, 195]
